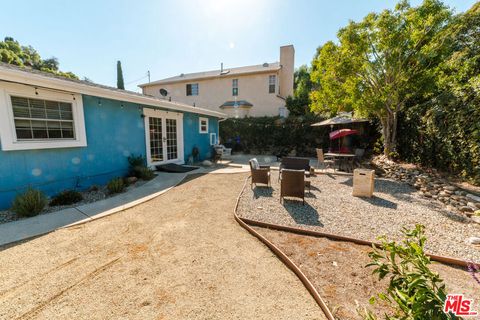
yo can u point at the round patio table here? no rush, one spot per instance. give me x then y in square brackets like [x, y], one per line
[345, 160]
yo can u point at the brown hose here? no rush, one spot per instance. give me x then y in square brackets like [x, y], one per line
[442, 259]
[285, 259]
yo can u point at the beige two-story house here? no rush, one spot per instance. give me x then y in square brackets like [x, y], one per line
[253, 91]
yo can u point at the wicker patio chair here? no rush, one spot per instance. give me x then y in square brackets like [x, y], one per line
[292, 184]
[296, 163]
[260, 174]
[321, 161]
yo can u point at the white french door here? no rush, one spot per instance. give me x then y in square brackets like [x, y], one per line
[163, 136]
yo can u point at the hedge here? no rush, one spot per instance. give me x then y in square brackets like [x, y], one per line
[275, 135]
[444, 136]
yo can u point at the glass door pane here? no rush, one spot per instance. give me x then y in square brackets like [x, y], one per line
[172, 152]
[156, 139]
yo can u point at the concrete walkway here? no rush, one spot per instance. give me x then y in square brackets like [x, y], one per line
[27, 228]
[178, 256]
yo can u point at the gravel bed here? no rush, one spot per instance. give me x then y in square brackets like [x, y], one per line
[91, 195]
[330, 207]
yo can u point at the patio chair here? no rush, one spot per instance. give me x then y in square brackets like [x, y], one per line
[296, 163]
[260, 174]
[324, 162]
[222, 152]
[292, 184]
[359, 153]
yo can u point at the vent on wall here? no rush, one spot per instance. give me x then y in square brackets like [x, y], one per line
[265, 64]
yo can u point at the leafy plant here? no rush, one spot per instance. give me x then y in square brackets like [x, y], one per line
[30, 203]
[414, 292]
[195, 153]
[139, 169]
[137, 161]
[144, 173]
[66, 197]
[116, 185]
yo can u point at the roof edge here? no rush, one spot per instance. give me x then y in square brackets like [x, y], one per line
[229, 75]
[18, 75]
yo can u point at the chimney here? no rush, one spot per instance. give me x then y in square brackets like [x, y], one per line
[287, 64]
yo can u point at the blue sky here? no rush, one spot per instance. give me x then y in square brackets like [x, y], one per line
[171, 37]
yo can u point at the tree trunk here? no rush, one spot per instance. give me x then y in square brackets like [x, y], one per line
[389, 131]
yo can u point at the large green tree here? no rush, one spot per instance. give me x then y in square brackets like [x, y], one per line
[12, 52]
[444, 131]
[299, 103]
[380, 63]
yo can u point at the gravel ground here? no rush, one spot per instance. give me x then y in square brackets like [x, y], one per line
[179, 256]
[337, 269]
[330, 207]
[92, 195]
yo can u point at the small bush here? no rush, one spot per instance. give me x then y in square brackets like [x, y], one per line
[139, 169]
[144, 173]
[137, 161]
[66, 197]
[30, 203]
[116, 185]
[414, 291]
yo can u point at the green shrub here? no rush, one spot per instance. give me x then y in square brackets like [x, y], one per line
[275, 135]
[414, 292]
[144, 173]
[137, 161]
[116, 185]
[139, 169]
[30, 203]
[66, 197]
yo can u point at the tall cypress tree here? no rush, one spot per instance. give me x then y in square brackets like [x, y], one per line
[120, 84]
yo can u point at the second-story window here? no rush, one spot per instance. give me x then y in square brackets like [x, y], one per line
[272, 80]
[192, 89]
[235, 87]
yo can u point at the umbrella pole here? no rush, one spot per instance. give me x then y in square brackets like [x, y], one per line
[330, 146]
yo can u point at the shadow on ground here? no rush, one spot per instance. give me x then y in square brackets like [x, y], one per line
[263, 191]
[302, 214]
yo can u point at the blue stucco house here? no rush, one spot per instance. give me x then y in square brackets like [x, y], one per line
[58, 134]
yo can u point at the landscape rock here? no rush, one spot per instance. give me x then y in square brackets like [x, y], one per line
[472, 197]
[132, 180]
[430, 185]
[207, 163]
[473, 240]
[466, 209]
[476, 219]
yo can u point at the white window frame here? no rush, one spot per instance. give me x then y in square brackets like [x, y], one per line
[235, 86]
[274, 83]
[213, 136]
[200, 125]
[8, 135]
[148, 112]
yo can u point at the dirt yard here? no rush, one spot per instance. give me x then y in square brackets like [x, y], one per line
[337, 269]
[178, 256]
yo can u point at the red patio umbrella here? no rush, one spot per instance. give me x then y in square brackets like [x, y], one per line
[342, 133]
